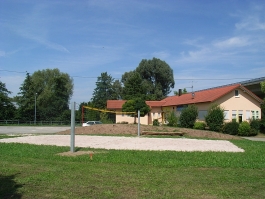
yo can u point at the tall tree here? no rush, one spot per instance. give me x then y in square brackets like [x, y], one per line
[7, 109]
[157, 78]
[133, 87]
[53, 90]
[117, 90]
[26, 99]
[103, 91]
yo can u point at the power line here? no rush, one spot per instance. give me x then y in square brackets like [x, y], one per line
[188, 79]
[12, 71]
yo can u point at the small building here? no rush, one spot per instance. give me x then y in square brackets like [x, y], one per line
[238, 102]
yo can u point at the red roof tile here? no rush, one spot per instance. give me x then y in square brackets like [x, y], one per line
[115, 104]
[155, 103]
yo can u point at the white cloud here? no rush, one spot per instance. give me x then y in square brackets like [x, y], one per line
[251, 23]
[232, 42]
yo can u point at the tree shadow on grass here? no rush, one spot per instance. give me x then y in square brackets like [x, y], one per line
[9, 187]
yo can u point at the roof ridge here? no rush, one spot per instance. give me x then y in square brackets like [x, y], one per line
[217, 87]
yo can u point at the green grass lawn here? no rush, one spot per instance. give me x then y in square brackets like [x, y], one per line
[29, 171]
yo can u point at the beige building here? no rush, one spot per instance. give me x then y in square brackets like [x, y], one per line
[238, 102]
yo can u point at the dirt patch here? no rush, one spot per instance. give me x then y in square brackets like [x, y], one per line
[69, 153]
[77, 153]
[132, 129]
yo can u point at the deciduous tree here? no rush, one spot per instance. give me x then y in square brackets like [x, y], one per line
[7, 109]
[53, 90]
[134, 105]
[157, 77]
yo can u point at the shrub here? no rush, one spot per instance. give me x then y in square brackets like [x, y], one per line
[188, 116]
[262, 125]
[244, 129]
[253, 132]
[231, 128]
[172, 119]
[155, 122]
[255, 124]
[199, 125]
[215, 118]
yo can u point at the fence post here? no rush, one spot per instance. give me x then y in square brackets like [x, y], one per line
[138, 123]
[72, 143]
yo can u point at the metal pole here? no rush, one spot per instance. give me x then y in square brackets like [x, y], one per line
[138, 123]
[35, 109]
[72, 142]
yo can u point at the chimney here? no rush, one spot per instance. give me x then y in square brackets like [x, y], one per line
[193, 95]
[180, 92]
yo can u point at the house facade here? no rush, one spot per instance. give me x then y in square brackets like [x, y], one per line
[237, 101]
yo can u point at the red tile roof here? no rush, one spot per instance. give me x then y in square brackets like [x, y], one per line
[209, 95]
[115, 104]
[155, 103]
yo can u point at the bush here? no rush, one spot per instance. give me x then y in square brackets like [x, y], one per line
[244, 129]
[199, 125]
[253, 132]
[255, 124]
[231, 128]
[215, 118]
[262, 125]
[155, 122]
[188, 116]
[172, 119]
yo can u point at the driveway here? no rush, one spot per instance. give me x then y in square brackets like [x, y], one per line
[31, 129]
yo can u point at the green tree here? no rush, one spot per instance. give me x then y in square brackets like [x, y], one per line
[134, 105]
[157, 78]
[26, 99]
[215, 118]
[53, 90]
[117, 90]
[188, 116]
[133, 87]
[262, 84]
[7, 109]
[103, 91]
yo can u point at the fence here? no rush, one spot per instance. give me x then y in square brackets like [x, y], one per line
[39, 123]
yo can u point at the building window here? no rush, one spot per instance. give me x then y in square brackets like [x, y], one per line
[248, 117]
[236, 93]
[202, 114]
[234, 115]
[253, 114]
[226, 114]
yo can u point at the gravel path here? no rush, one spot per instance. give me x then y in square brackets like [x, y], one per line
[129, 143]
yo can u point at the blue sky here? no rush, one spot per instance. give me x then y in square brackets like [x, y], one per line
[207, 43]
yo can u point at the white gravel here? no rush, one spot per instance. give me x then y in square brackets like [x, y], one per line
[129, 143]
